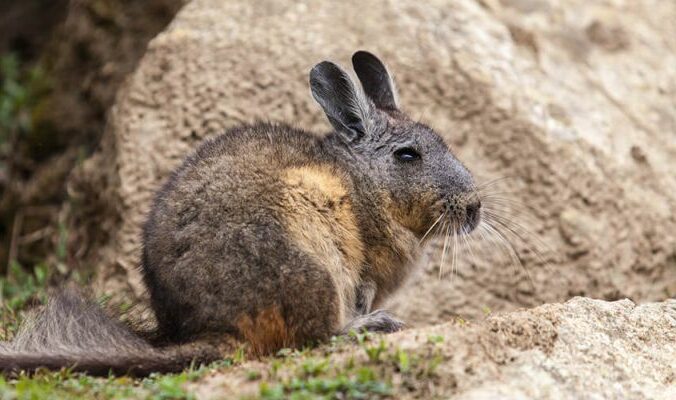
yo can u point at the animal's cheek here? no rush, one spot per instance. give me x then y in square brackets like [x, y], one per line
[415, 209]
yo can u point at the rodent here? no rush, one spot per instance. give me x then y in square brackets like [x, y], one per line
[275, 236]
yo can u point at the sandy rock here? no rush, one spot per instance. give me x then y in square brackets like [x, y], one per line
[571, 100]
[600, 350]
[581, 349]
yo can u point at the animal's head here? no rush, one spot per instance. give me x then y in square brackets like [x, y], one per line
[404, 162]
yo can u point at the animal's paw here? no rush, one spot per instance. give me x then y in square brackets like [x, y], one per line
[379, 321]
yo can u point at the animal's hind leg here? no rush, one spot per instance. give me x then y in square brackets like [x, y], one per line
[304, 308]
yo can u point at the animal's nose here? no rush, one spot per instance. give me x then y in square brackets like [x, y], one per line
[473, 214]
[473, 208]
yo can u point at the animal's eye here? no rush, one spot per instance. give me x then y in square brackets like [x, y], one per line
[407, 154]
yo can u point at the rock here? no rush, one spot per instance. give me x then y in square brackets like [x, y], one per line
[581, 349]
[532, 90]
[592, 349]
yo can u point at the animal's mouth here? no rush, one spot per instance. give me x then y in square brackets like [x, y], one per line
[463, 214]
[456, 216]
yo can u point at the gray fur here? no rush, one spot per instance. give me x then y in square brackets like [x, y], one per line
[344, 103]
[376, 80]
[73, 332]
[379, 321]
[68, 322]
[366, 293]
[222, 253]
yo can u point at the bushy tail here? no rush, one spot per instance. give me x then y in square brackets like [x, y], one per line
[73, 332]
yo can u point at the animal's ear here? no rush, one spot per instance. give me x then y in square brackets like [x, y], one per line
[344, 104]
[375, 80]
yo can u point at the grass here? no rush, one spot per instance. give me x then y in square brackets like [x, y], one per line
[18, 290]
[362, 384]
[379, 371]
[66, 385]
[315, 380]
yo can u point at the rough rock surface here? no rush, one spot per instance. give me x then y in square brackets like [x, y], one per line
[581, 349]
[573, 101]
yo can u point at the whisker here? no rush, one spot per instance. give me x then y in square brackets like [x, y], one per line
[443, 252]
[468, 239]
[484, 192]
[510, 212]
[432, 227]
[513, 252]
[493, 182]
[486, 234]
[524, 235]
[507, 202]
[454, 266]
[506, 220]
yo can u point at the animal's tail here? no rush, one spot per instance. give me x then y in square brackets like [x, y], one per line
[73, 332]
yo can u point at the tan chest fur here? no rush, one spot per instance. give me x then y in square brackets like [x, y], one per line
[321, 222]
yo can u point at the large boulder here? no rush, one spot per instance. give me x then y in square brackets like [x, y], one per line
[571, 102]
